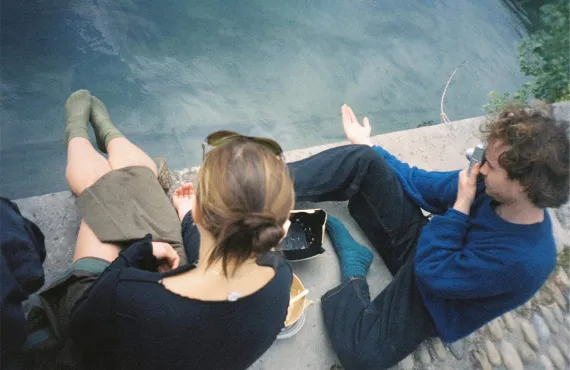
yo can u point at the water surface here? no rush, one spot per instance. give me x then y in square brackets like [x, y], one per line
[172, 72]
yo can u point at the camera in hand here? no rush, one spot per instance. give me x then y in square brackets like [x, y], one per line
[475, 155]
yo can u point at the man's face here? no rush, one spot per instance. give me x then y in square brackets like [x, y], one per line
[499, 186]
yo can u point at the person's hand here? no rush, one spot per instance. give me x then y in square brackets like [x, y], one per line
[355, 132]
[167, 257]
[181, 199]
[467, 186]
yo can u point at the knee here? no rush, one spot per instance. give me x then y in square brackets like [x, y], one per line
[78, 182]
[365, 152]
[367, 156]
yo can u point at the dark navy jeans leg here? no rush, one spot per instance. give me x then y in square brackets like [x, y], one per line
[378, 334]
[376, 199]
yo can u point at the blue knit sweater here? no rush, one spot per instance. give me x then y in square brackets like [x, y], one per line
[472, 268]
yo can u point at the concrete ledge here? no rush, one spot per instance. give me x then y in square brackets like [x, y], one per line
[439, 147]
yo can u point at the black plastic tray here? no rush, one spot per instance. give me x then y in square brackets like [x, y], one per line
[304, 239]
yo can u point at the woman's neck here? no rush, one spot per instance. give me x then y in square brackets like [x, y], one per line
[207, 241]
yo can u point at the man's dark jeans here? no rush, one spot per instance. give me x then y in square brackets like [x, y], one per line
[364, 334]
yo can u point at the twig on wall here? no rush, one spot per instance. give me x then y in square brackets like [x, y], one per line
[444, 118]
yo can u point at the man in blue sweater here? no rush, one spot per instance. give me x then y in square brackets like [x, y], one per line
[488, 248]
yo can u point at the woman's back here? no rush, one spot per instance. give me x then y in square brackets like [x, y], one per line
[143, 325]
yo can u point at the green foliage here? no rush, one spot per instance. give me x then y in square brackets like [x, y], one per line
[565, 94]
[498, 102]
[545, 54]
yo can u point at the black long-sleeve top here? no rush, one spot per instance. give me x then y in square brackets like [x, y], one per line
[128, 320]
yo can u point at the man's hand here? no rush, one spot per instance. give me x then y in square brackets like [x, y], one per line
[166, 255]
[181, 199]
[467, 186]
[355, 132]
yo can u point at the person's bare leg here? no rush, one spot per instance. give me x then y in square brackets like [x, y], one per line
[84, 165]
[88, 245]
[123, 153]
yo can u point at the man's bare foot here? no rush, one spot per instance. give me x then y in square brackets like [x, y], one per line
[355, 132]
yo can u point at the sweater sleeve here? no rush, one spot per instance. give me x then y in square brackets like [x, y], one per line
[92, 318]
[445, 268]
[190, 238]
[431, 190]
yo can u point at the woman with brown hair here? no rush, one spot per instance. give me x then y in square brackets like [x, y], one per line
[121, 307]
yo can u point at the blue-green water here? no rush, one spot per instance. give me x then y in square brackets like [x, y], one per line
[171, 72]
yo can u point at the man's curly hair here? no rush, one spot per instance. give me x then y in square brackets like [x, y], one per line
[538, 155]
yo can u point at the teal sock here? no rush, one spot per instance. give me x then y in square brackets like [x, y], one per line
[355, 259]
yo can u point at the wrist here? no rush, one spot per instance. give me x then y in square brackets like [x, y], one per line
[366, 141]
[363, 142]
[462, 205]
[183, 211]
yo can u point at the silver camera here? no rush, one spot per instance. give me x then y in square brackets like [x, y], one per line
[475, 155]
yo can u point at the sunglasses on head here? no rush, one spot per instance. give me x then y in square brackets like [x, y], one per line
[217, 138]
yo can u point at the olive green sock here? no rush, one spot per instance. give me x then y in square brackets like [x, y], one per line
[77, 111]
[104, 129]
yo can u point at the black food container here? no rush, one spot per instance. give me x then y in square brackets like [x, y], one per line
[304, 239]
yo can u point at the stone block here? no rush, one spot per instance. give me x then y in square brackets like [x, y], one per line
[438, 349]
[565, 334]
[548, 317]
[528, 356]
[558, 314]
[509, 321]
[481, 360]
[556, 357]
[495, 330]
[564, 347]
[457, 349]
[510, 356]
[530, 334]
[546, 363]
[492, 353]
[541, 327]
